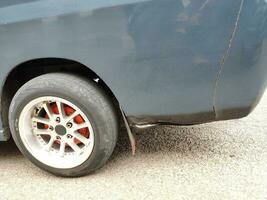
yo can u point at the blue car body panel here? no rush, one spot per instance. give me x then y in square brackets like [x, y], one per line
[166, 61]
[243, 77]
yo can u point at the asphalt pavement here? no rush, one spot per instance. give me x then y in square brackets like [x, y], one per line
[221, 160]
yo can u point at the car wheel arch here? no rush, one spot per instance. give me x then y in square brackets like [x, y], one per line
[27, 70]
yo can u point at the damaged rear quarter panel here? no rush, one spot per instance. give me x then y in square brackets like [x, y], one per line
[243, 78]
[159, 57]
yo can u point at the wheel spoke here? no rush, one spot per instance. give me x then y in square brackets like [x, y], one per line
[80, 126]
[60, 107]
[81, 138]
[62, 148]
[48, 110]
[42, 131]
[74, 147]
[70, 117]
[49, 144]
[42, 120]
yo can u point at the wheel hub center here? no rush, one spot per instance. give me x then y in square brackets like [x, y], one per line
[60, 130]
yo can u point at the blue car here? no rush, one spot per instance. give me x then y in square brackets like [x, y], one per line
[72, 71]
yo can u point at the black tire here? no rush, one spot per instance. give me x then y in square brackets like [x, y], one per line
[89, 97]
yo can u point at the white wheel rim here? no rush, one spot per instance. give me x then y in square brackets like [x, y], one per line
[56, 139]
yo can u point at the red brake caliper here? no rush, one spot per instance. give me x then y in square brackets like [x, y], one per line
[78, 120]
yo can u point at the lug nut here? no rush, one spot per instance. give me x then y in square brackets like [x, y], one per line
[69, 136]
[57, 119]
[51, 128]
[58, 138]
[69, 125]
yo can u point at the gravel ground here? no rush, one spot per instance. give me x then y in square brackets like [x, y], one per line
[222, 160]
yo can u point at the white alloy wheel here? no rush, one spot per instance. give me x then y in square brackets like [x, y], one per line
[56, 132]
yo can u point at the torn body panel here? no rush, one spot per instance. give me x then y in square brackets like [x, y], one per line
[129, 131]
